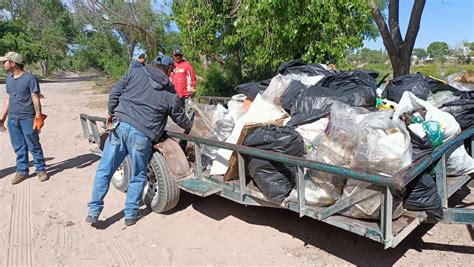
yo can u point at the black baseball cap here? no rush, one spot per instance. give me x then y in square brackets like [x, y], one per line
[177, 51]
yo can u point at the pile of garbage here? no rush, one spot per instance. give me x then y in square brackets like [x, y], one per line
[344, 119]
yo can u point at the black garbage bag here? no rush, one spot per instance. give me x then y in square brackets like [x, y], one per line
[275, 179]
[355, 88]
[300, 67]
[253, 88]
[467, 95]
[419, 84]
[422, 195]
[421, 146]
[462, 109]
[292, 92]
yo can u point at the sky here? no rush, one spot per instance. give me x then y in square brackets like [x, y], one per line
[450, 21]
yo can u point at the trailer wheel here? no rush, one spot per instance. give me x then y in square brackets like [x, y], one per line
[161, 193]
[123, 174]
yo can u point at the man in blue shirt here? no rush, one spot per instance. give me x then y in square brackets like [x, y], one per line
[25, 118]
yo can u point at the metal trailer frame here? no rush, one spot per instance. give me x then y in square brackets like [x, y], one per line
[386, 231]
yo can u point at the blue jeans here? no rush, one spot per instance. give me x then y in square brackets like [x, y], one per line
[124, 140]
[24, 139]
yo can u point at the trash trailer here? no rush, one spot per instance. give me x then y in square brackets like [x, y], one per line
[162, 192]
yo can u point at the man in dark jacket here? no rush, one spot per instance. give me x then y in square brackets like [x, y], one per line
[139, 106]
[140, 62]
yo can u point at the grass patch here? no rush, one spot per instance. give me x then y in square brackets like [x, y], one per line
[441, 71]
[437, 70]
[97, 104]
[103, 85]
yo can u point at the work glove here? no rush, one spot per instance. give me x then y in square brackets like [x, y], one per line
[39, 122]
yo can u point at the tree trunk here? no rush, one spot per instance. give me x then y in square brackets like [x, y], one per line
[398, 50]
[401, 66]
[44, 67]
[238, 63]
[204, 61]
[131, 49]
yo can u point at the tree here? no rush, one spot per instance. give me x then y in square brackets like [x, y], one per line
[399, 50]
[438, 50]
[253, 37]
[135, 22]
[420, 53]
[40, 30]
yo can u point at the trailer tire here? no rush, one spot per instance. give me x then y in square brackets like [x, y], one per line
[161, 193]
[122, 175]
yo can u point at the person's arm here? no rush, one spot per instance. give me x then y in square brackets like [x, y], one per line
[178, 115]
[37, 104]
[116, 92]
[192, 75]
[5, 106]
[35, 97]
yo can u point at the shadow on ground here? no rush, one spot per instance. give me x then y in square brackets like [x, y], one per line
[11, 170]
[338, 242]
[79, 162]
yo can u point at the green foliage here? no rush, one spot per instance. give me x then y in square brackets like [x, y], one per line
[441, 71]
[39, 30]
[254, 37]
[218, 82]
[420, 53]
[100, 50]
[438, 50]
[366, 55]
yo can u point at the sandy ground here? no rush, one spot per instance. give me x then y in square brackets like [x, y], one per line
[42, 224]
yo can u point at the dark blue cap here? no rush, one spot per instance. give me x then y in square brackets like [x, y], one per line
[163, 60]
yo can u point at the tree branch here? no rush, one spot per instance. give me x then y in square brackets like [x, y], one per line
[217, 58]
[392, 49]
[413, 26]
[393, 22]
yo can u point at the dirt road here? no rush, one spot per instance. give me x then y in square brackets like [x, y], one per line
[42, 224]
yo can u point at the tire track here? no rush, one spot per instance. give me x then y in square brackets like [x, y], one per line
[65, 238]
[120, 252]
[7, 203]
[20, 251]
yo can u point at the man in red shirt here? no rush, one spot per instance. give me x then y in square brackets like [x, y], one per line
[184, 81]
[183, 76]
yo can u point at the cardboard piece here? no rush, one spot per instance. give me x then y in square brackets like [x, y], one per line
[233, 170]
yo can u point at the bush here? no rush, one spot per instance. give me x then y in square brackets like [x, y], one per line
[218, 82]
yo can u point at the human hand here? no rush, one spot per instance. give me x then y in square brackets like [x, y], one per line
[39, 122]
[109, 121]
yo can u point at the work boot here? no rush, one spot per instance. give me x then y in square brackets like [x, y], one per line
[43, 176]
[132, 221]
[19, 177]
[92, 219]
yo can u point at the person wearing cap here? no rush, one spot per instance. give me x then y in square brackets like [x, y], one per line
[22, 105]
[140, 62]
[183, 76]
[139, 106]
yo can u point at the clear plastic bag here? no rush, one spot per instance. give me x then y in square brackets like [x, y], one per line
[455, 81]
[383, 146]
[457, 163]
[222, 129]
[335, 148]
